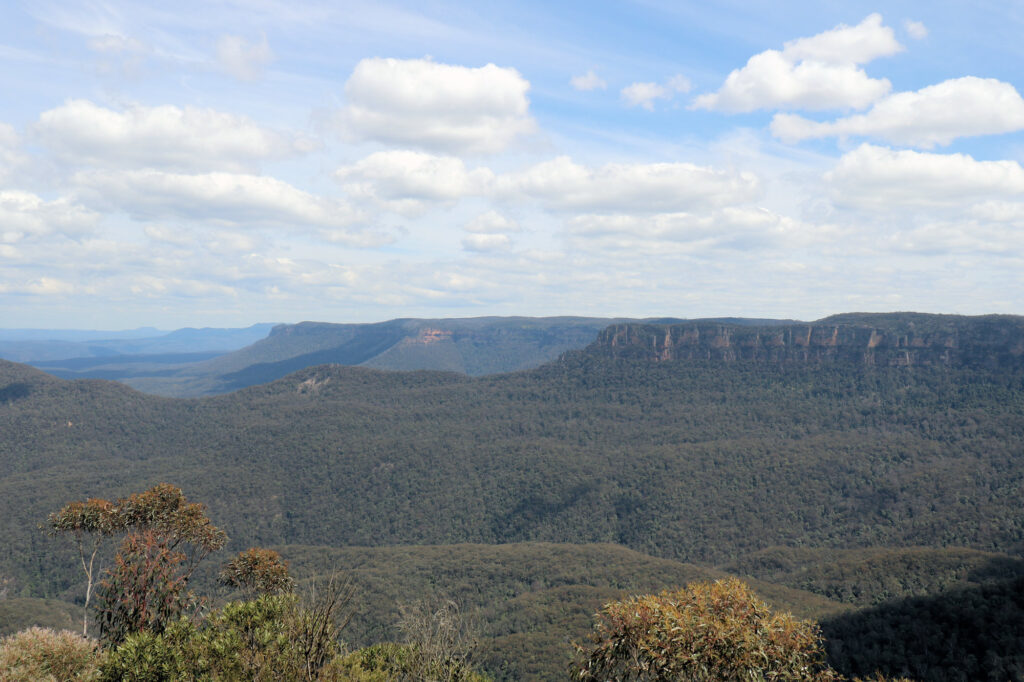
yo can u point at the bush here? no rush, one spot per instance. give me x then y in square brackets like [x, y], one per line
[718, 631]
[273, 637]
[149, 657]
[44, 655]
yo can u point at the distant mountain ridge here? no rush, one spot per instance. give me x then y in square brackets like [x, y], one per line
[893, 339]
[492, 345]
[51, 345]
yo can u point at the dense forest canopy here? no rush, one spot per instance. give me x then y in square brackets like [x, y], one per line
[712, 460]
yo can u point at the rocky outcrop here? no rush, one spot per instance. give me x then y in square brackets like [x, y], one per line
[897, 340]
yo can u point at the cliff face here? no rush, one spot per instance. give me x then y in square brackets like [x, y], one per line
[988, 341]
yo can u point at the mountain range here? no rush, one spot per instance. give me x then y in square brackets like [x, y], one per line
[859, 462]
[194, 362]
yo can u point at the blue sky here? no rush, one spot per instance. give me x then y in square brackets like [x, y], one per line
[223, 163]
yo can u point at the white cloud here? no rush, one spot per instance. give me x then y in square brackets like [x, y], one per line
[169, 235]
[229, 198]
[819, 72]
[404, 181]
[915, 29]
[999, 212]
[486, 242]
[44, 286]
[844, 44]
[737, 228]
[440, 107]
[152, 286]
[24, 215]
[960, 236]
[561, 184]
[882, 179]
[9, 154]
[588, 81]
[488, 232]
[225, 242]
[935, 115]
[644, 94]
[162, 136]
[492, 222]
[243, 59]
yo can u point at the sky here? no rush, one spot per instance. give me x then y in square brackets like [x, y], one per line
[227, 162]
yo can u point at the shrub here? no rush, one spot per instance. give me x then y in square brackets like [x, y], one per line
[718, 631]
[44, 655]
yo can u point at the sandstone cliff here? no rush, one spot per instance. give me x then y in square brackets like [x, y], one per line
[895, 339]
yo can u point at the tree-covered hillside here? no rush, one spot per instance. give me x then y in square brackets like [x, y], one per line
[709, 461]
[702, 461]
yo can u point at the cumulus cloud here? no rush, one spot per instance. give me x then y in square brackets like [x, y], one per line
[169, 235]
[243, 59]
[644, 94]
[44, 286]
[961, 236]
[440, 107]
[228, 198]
[915, 29]
[816, 73]
[588, 81]
[486, 242]
[999, 211]
[880, 178]
[491, 222]
[488, 232]
[9, 154]
[405, 181]
[152, 286]
[24, 215]
[561, 184]
[162, 136]
[737, 228]
[935, 115]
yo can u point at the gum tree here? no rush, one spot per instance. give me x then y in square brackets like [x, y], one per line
[89, 523]
[164, 537]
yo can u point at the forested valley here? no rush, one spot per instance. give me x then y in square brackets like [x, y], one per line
[868, 477]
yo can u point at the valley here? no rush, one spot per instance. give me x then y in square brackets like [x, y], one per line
[847, 466]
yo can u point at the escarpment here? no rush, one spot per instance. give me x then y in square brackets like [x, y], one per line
[991, 341]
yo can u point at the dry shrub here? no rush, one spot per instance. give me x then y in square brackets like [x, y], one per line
[705, 631]
[44, 655]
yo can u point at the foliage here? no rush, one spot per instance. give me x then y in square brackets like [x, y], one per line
[390, 662]
[95, 518]
[166, 537]
[705, 631]
[44, 655]
[257, 571]
[163, 511]
[147, 656]
[272, 637]
[144, 590]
